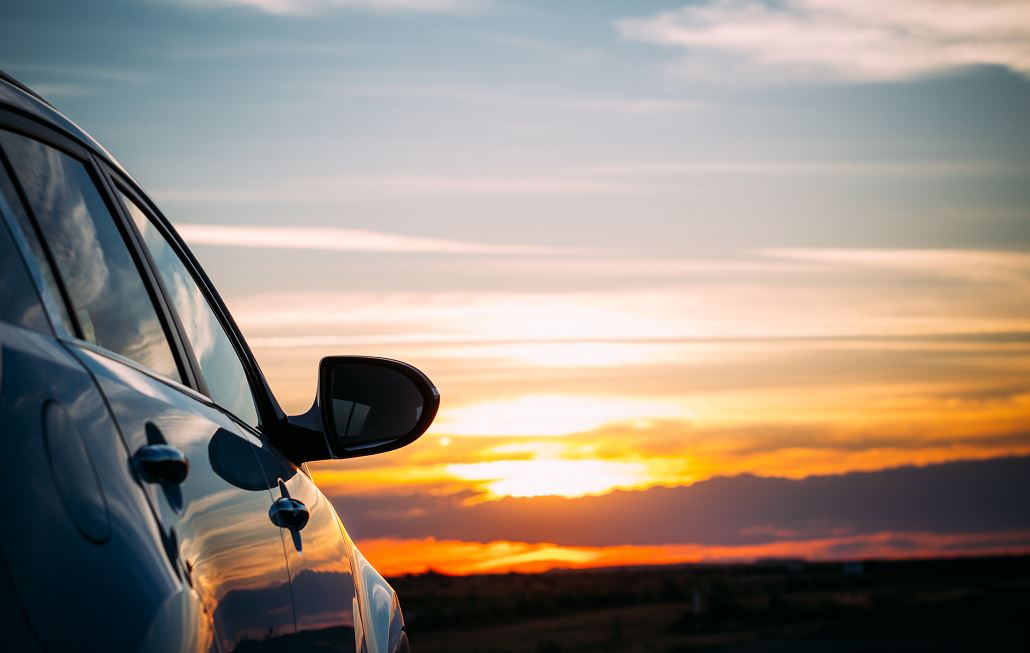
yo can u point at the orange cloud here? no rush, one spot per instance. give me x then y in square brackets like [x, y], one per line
[394, 557]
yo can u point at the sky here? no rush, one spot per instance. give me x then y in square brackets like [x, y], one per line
[681, 270]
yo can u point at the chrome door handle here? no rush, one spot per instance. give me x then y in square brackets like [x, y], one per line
[287, 512]
[161, 463]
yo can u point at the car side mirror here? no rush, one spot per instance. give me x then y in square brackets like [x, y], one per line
[363, 406]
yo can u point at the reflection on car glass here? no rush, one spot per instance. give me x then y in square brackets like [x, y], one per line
[108, 295]
[19, 303]
[58, 311]
[223, 371]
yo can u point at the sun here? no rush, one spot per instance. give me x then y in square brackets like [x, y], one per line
[551, 477]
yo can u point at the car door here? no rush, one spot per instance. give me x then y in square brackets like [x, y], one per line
[77, 514]
[197, 461]
[318, 551]
[319, 556]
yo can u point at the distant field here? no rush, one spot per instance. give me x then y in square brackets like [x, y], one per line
[978, 604]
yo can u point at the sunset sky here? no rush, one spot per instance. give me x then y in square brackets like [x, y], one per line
[648, 251]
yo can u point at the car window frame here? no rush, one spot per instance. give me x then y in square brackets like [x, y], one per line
[16, 240]
[10, 222]
[268, 410]
[23, 128]
[109, 177]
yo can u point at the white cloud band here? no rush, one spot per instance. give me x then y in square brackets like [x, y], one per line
[847, 39]
[307, 7]
[343, 240]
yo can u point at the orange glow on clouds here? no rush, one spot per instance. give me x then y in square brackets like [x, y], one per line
[567, 478]
[394, 557]
[551, 415]
[781, 362]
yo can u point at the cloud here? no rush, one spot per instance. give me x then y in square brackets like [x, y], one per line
[952, 498]
[81, 73]
[394, 557]
[62, 90]
[343, 240]
[258, 49]
[908, 168]
[801, 293]
[309, 7]
[530, 98]
[552, 415]
[571, 55]
[350, 187]
[66, 81]
[1008, 269]
[932, 259]
[640, 178]
[844, 39]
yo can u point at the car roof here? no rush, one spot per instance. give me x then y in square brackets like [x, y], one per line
[19, 97]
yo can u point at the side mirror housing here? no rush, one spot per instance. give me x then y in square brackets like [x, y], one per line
[363, 406]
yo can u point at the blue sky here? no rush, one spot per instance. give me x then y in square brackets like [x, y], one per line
[640, 242]
[522, 116]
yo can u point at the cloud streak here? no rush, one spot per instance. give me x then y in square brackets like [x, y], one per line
[709, 299]
[334, 239]
[531, 98]
[846, 39]
[309, 7]
[635, 178]
[949, 499]
[394, 557]
[350, 187]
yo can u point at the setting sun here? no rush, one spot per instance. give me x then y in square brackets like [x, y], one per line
[546, 477]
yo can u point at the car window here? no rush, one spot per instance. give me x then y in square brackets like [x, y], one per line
[109, 297]
[19, 303]
[219, 363]
[41, 267]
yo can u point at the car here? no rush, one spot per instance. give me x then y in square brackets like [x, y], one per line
[158, 497]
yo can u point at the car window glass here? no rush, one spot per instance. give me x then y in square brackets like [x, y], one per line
[41, 266]
[19, 303]
[219, 363]
[109, 297]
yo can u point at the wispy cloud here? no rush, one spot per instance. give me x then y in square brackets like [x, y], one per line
[551, 415]
[791, 293]
[62, 90]
[77, 72]
[914, 168]
[621, 178]
[846, 39]
[530, 44]
[308, 7]
[960, 497]
[529, 98]
[346, 187]
[259, 49]
[1009, 268]
[55, 80]
[393, 557]
[344, 240]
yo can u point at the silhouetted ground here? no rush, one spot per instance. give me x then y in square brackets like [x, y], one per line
[980, 604]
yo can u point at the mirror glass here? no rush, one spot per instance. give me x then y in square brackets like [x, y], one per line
[370, 403]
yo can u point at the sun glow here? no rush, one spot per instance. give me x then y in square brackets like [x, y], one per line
[567, 478]
[398, 556]
[552, 415]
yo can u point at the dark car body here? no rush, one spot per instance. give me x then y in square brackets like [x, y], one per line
[156, 494]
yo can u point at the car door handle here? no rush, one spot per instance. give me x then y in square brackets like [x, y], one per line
[287, 512]
[161, 463]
